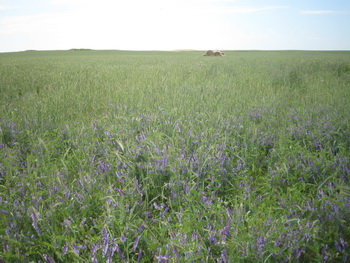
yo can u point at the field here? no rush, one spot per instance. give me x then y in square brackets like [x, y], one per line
[116, 156]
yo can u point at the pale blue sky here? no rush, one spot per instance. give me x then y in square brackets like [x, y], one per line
[174, 24]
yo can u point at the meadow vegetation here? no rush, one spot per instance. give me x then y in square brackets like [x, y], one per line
[116, 156]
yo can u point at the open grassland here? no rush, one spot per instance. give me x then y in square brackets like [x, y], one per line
[174, 157]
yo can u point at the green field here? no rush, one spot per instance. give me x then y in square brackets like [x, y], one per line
[118, 156]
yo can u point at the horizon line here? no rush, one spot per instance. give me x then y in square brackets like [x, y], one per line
[165, 50]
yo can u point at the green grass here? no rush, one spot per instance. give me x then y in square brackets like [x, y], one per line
[174, 157]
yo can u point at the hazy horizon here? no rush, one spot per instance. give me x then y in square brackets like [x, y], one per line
[174, 25]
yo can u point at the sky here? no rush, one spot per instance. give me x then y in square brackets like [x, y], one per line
[174, 24]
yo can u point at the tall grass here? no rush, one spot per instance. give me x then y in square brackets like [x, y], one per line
[174, 157]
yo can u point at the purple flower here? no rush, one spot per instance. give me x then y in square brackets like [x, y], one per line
[162, 258]
[103, 166]
[67, 194]
[136, 243]
[139, 256]
[105, 236]
[35, 222]
[260, 243]
[142, 227]
[76, 249]
[93, 252]
[277, 243]
[82, 222]
[223, 257]
[105, 247]
[194, 236]
[120, 252]
[212, 238]
[229, 212]
[64, 249]
[48, 258]
[342, 241]
[111, 253]
[122, 238]
[226, 230]
[120, 191]
[94, 248]
[299, 251]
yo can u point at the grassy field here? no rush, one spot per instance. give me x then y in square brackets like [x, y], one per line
[116, 156]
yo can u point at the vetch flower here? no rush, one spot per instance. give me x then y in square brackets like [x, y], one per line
[139, 256]
[162, 258]
[120, 252]
[34, 217]
[136, 242]
[82, 222]
[76, 249]
[142, 227]
[111, 253]
[105, 242]
[64, 249]
[48, 258]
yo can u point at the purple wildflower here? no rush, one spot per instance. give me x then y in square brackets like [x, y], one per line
[35, 222]
[104, 166]
[105, 248]
[48, 258]
[142, 227]
[6, 248]
[119, 177]
[64, 249]
[156, 206]
[226, 230]
[67, 194]
[94, 259]
[111, 253]
[93, 252]
[136, 243]
[212, 238]
[120, 252]
[229, 212]
[94, 248]
[223, 257]
[139, 256]
[92, 159]
[105, 234]
[260, 243]
[83, 222]
[123, 238]
[76, 249]
[105, 242]
[120, 191]
[194, 236]
[162, 258]
[299, 251]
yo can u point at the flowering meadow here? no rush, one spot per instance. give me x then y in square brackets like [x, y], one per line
[116, 156]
